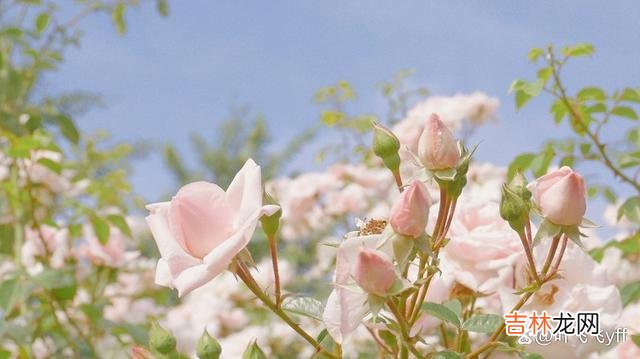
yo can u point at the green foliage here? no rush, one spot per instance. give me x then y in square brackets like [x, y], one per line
[588, 113]
[441, 312]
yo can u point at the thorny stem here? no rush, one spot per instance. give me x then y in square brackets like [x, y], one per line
[244, 274]
[273, 247]
[577, 119]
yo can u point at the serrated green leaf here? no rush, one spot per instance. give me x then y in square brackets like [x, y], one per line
[520, 164]
[306, 306]
[441, 312]
[482, 323]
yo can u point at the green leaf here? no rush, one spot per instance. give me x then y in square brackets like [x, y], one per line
[119, 222]
[636, 339]
[534, 54]
[525, 91]
[8, 293]
[630, 95]
[520, 164]
[455, 306]
[626, 112]
[578, 50]
[61, 283]
[118, 18]
[591, 93]
[7, 238]
[331, 118]
[42, 22]
[51, 164]
[559, 111]
[526, 355]
[163, 7]
[306, 306]
[101, 229]
[441, 312]
[630, 293]
[68, 128]
[540, 164]
[547, 229]
[630, 209]
[483, 323]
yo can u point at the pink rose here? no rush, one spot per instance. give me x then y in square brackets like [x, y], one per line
[374, 271]
[202, 228]
[437, 148]
[483, 248]
[346, 306]
[410, 212]
[560, 196]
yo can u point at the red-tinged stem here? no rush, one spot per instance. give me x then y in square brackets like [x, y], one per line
[556, 264]
[529, 253]
[396, 176]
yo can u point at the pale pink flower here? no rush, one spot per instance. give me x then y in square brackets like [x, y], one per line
[483, 248]
[202, 228]
[410, 212]
[437, 148]
[346, 306]
[113, 253]
[457, 112]
[560, 195]
[374, 271]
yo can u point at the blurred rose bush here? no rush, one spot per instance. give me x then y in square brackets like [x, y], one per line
[409, 248]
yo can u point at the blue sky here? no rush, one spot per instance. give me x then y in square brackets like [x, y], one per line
[169, 77]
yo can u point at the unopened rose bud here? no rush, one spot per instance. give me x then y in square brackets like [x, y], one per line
[437, 148]
[386, 146]
[410, 212]
[270, 223]
[374, 272]
[560, 196]
[161, 339]
[253, 351]
[513, 208]
[208, 347]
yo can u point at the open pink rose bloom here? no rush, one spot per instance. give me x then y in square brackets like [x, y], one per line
[203, 227]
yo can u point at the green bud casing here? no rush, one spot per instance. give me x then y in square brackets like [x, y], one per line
[208, 347]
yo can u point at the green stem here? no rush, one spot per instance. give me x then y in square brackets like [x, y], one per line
[273, 247]
[404, 331]
[245, 276]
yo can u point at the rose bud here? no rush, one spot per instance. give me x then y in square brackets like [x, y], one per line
[386, 146]
[208, 347]
[410, 212]
[374, 272]
[203, 228]
[161, 339]
[560, 196]
[437, 148]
